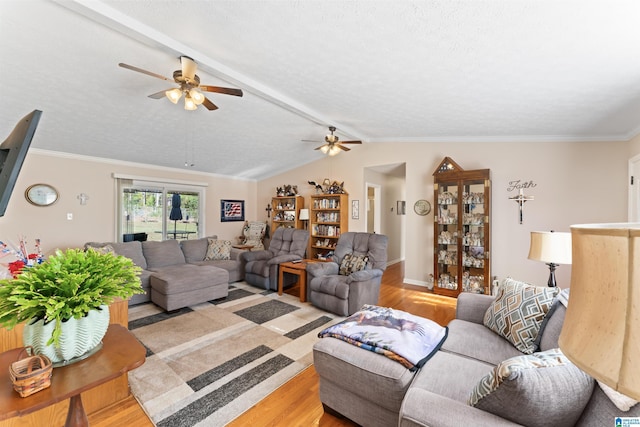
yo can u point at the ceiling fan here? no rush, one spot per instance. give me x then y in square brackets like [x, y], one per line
[333, 145]
[189, 85]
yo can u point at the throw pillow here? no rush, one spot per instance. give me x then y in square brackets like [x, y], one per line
[218, 250]
[542, 389]
[103, 249]
[351, 263]
[622, 402]
[518, 311]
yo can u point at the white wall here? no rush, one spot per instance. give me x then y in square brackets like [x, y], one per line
[95, 221]
[576, 182]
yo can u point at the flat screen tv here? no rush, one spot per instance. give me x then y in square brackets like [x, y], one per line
[12, 154]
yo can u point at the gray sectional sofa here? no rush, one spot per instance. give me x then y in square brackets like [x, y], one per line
[373, 390]
[175, 273]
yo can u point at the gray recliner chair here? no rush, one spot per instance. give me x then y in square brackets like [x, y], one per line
[345, 292]
[261, 267]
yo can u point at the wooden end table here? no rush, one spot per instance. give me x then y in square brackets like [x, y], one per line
[298, 269]
[243, 247]
[120, 353]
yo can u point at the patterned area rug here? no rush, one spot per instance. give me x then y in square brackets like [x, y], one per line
[209, 363]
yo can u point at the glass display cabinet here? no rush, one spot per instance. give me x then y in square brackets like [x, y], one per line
[461, 229]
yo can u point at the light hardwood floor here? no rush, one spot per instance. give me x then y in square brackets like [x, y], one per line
[297, 403]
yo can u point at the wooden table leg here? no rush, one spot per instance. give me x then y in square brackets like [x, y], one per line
[280, 280]
[76, 417]
[302, 279]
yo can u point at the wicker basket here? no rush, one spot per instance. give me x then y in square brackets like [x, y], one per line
[30, 373]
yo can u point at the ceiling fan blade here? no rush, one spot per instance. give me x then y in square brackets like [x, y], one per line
[218, 89]
[350, 142]
[343, 148]
[318, 148]
[209, 105]
[189, 68]
[140, 70]
[309, 140]
[159, 95]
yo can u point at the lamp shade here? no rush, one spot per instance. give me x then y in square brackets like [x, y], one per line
[304, 214]
[550, 247]
[601, 330]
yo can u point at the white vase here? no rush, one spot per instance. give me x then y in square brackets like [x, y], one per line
[79, 336]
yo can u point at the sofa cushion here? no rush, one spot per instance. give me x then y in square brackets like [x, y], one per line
[351, 263]
[218, 250]
[518, 311]
[541, 389]
[476, 341]
[162, 254]
[131, 250]
[196, 249]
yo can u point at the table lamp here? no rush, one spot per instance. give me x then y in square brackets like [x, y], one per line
[304, 216]
[552, 248]
[601, 332]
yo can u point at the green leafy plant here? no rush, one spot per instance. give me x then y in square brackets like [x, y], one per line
[69, 284]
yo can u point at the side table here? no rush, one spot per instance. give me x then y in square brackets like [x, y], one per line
[243, 247]
[120, 353]
[298, 269]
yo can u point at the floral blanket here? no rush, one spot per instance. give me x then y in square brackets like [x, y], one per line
[400, 336]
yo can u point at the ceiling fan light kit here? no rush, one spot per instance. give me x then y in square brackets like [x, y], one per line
[189, 84]
[333, 145]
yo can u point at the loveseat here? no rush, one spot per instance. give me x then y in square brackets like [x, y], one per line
[176, 274]
[541, 389]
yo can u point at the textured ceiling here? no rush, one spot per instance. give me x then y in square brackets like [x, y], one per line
[381, 71]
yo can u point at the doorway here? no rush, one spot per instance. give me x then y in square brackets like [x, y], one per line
[384, 190]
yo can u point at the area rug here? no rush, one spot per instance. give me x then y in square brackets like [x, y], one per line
[208, 363]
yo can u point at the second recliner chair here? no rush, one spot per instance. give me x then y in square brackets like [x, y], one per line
[261, 268]
[353, 277]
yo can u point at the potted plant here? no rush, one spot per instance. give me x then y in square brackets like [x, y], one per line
[67, 294]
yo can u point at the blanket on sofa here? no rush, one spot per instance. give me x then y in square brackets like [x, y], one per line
[400, 336]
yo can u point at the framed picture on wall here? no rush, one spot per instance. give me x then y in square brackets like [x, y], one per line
[231, 210]
[355, 209]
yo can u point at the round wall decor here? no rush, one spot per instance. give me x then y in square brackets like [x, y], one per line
[41, 195]
[422, 207]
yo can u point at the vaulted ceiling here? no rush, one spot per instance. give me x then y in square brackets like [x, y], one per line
[380, 71]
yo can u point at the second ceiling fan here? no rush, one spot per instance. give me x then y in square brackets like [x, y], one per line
[188, 84]
[333, 145]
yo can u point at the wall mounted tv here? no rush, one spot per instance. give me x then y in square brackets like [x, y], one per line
[12, 154]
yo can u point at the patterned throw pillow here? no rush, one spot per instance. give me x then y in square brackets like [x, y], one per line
[351, 263]
[218, 250]
[541, 389]
[103, 249]
[518, 311]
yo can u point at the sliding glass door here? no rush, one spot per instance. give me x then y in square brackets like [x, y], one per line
[153, 211]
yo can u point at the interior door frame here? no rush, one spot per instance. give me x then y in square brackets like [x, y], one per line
[633, 214]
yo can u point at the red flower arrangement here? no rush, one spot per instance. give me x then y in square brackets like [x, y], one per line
[25, 259]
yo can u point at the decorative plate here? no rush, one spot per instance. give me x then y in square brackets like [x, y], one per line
[422, 207]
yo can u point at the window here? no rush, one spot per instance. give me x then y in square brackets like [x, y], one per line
[159, 210]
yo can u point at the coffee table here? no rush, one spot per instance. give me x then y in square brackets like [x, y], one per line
[298, 269]
[120, 353]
